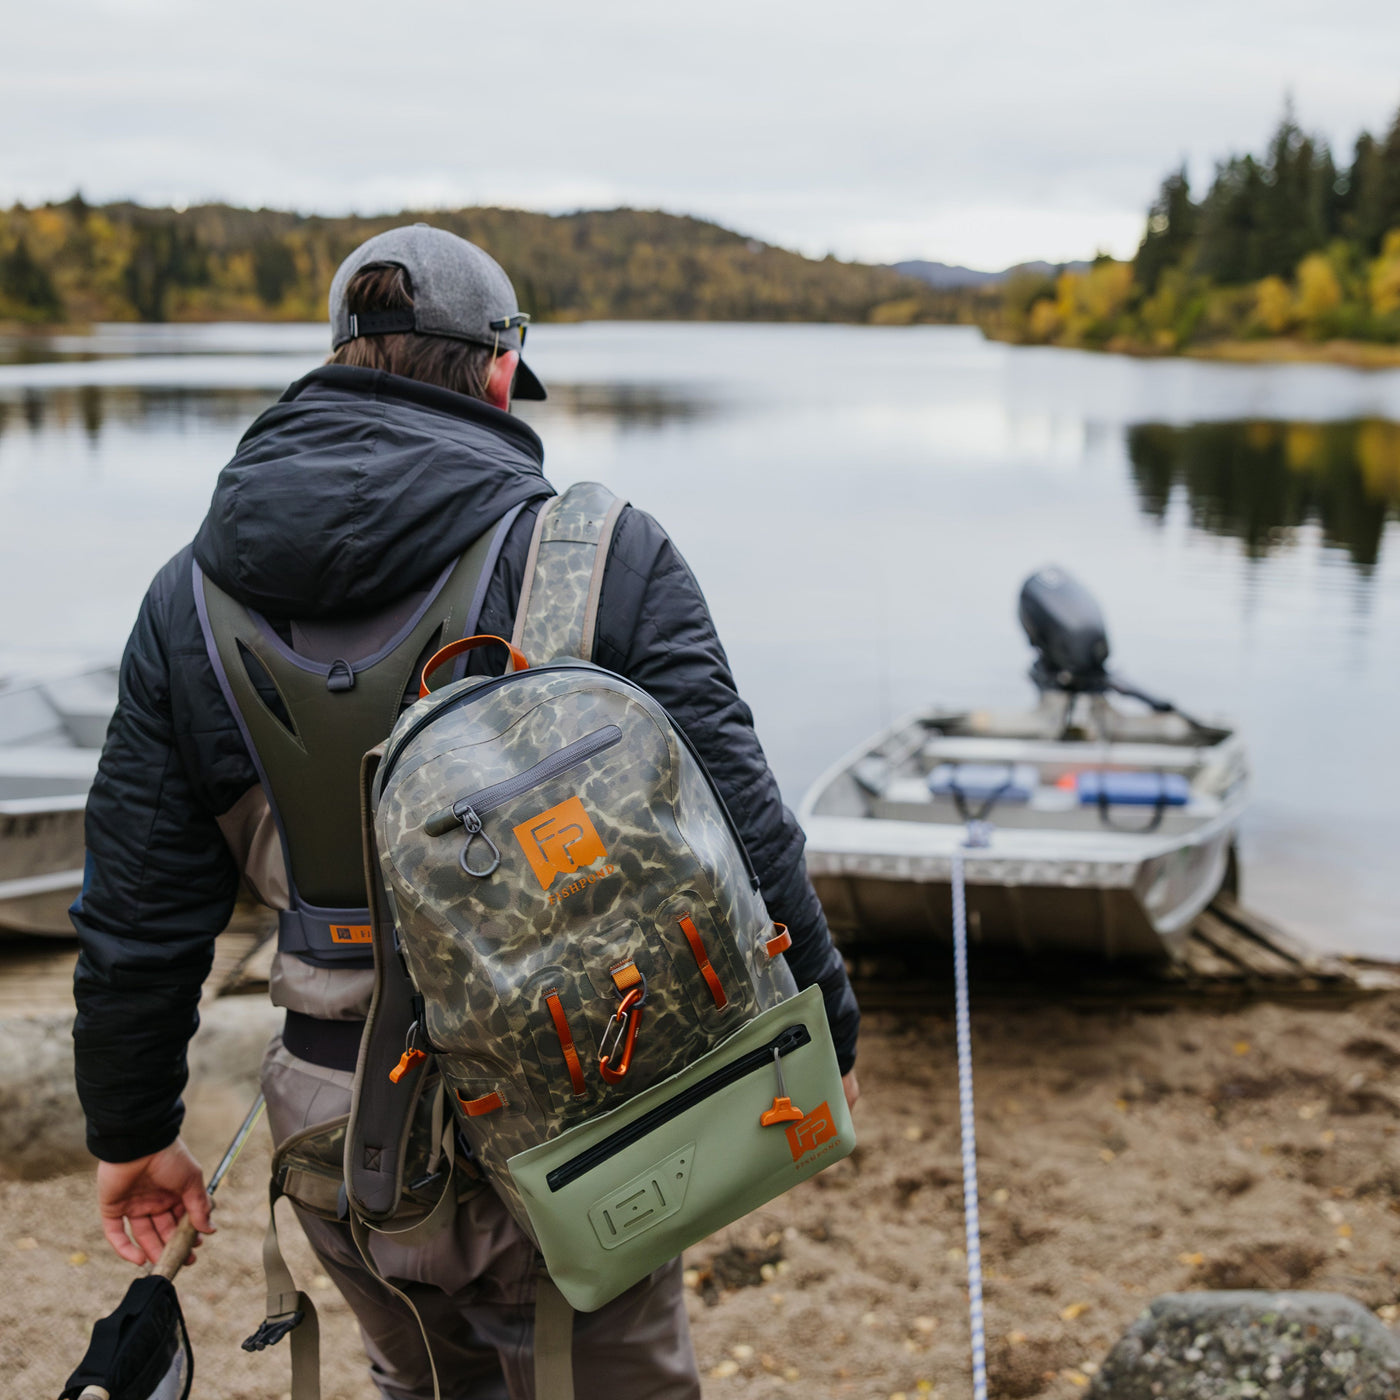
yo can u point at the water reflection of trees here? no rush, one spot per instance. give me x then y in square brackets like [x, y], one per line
[627, 405]
[1258, 481]
[90, 408]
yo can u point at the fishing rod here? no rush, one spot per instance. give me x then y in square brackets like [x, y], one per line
[178, 1246]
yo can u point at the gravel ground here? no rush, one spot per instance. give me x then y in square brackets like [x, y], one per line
[1124, 1155]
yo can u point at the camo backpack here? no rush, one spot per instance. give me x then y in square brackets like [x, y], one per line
[570, 943]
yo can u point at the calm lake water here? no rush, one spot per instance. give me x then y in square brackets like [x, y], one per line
[861, 506]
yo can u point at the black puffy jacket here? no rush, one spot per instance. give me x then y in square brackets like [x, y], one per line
[355, 488]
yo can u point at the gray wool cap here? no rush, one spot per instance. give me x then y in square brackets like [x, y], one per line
[458, 291]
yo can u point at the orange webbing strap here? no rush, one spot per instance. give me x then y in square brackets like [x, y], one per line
[487, 1103]
[702, 961]
[780, 942]
[455, 649]
[566, 1043]
[625, 976]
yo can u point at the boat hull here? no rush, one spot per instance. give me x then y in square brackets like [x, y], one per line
[1049, 874]
[41, 865]
[1089, 908]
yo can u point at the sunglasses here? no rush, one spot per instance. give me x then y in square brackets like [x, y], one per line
[519, 321]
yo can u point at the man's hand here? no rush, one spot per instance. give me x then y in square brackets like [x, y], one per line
[148, 1197]
[852, 1088]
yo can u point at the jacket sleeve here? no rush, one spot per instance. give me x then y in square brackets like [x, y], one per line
[655, 628]
[160, 884]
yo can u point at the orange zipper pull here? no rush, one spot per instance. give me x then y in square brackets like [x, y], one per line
[409, 1060]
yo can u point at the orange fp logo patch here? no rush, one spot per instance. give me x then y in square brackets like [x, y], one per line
[815, 1129]
[560, 841]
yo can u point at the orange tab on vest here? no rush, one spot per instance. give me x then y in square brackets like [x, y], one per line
[351, 933]
[779, 943]
[566, 1043]
[702, 961]
[487, 1103]
[410, 1059]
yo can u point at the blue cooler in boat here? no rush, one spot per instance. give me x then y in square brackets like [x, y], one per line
[1098, 789]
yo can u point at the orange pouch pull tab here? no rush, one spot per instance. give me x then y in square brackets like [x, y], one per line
[410, 1059]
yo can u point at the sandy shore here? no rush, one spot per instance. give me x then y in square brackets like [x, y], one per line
[1125, 1154]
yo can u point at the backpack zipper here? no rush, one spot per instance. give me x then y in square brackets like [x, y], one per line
[478, 804]
[784, 1043]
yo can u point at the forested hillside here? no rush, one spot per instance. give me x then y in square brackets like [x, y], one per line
[1290, 243]
[72, 262]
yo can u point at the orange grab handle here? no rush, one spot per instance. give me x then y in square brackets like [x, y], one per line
[779, 943]
[487, 1103]
[455, 649]
[702, 961]
[566, 1042]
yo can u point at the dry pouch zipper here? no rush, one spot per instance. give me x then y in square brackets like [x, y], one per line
[787, 1040]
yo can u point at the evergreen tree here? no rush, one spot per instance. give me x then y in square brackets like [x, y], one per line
[25, 284]
[1375, 179]
[274, 270]
[1171, 227]
[1230, 222]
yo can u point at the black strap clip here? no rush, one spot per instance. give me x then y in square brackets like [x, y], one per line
[272, 1330]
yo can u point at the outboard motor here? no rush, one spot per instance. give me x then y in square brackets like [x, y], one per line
[1067, 630]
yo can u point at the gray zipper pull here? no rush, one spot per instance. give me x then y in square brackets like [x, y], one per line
[472, 823]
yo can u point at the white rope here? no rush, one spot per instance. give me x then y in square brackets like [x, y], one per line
[969, 1130]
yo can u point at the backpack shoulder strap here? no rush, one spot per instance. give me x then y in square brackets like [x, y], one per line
[558, 610]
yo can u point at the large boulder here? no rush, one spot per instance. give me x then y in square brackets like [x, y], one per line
[1264, 1346]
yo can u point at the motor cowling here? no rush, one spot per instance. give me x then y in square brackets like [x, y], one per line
[1066, 628]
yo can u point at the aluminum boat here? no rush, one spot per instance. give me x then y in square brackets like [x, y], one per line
[1108, 817]
[51, 734]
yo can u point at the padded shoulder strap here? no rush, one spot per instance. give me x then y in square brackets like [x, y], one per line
[558, 610]
[381, 1109]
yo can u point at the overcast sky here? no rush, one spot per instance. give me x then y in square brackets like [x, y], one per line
[982, 133]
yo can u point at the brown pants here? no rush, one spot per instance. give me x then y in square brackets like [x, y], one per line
[474, 1287]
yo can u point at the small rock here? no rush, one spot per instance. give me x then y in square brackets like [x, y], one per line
[1255, 1345]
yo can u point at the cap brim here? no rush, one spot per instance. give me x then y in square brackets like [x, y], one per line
[527, 384]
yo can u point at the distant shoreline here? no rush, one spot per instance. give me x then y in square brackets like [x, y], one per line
[1348, 354]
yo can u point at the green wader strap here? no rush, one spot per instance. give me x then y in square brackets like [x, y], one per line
[290, 1313]
[360, 1231]
[554, 1343]
[558, 610]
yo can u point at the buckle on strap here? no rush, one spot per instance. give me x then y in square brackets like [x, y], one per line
[272, 1329]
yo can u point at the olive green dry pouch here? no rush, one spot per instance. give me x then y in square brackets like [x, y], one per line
[620, 1195]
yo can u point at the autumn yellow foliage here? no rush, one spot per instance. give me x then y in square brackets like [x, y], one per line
[1319, 291]
[1385, 276]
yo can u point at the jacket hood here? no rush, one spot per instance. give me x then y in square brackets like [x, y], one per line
[357, 487]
